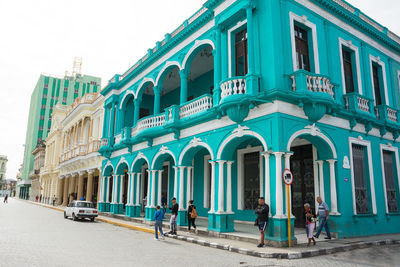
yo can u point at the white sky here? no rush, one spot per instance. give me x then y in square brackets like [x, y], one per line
[45, 36]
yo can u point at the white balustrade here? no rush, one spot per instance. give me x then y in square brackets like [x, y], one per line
[234, 86]
[319, 84]
[195, 106]
[392, 114]
[150, 122]
[363, 104]
[104, 142]
[117, 139]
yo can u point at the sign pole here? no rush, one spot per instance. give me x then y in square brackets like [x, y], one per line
[288, 212]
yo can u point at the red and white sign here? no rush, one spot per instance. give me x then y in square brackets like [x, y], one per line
[287, 177]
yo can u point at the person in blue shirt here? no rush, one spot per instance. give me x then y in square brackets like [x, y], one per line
[158, 218]
[323, 212]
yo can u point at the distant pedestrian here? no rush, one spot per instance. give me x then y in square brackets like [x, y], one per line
[262, 211]
[192, 215]
[54, 200]
[158, 218]
[37, 198]
[310, 223]
[323, 213]
[40, 198]
[82, 198]
[174, 216]
[164, 202]
[6, 198]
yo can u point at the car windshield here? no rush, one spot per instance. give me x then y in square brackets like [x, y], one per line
[84, 204]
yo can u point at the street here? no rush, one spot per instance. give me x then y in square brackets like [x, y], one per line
[37, 236]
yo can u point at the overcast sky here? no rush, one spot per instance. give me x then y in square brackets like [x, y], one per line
[45, 36]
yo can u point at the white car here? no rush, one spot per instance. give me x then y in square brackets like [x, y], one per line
[78, 209]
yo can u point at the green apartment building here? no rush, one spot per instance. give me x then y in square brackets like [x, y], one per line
[49, 91]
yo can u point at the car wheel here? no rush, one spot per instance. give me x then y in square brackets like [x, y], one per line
[92, 219]
[74, 217]
[65, 215]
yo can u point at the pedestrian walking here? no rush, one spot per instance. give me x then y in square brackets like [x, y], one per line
[158, 218]
[323, 213]
[262, 211]
[174, 216]
[54, 200]
[192, 215]
[6, 198]
[310, 223]
[164, 202]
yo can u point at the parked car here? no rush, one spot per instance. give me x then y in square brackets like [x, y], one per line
[78, 209]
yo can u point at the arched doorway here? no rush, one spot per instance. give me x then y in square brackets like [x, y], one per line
[106, 188]
[120, 190]
[139, 186]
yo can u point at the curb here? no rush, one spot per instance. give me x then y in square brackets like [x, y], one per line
[286, 255]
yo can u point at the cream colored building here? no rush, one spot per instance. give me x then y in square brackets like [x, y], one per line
[50, 172]
[80, 163]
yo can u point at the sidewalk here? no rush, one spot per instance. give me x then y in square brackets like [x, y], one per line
[248, 247]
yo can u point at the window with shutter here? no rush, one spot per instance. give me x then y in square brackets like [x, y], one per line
[360, 182]
[391, 194]
[302, 53]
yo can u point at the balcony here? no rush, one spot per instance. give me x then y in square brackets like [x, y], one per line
[387, 114]
[148, 123]
[316, 83]
[81, 150]
[104, 142]
[194, 107]
[233, 86]
[358, 103]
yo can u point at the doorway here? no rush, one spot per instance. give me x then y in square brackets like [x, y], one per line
[302, 189]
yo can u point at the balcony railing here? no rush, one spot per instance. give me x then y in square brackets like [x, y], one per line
[384, 112]
[354, 101]
[392, 114]
[312, 82]
[193, 107]
[80, 150]
[104, 142]
[117, 139]
[233, 86]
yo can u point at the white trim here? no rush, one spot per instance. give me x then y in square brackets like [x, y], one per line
[143, 82]
[367, 144]
[128, 92]
[350, 46]
[140, 156]
[162, 152]
[192, 144]
[240, 173]
[207, 189]
[238, 25]
[303, 20]
[166, 66]
[395, 150]
[378, 61]
[105, 167]
[122, 160]
[197, 43]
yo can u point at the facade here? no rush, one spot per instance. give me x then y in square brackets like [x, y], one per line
[79, 165]
[49, 173]
[49, 91]
[245, 89]
[38, 162]
[3, 171]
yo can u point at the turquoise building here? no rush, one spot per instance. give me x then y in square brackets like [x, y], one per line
[245, 89]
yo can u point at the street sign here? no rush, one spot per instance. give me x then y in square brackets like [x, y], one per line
[287, 177]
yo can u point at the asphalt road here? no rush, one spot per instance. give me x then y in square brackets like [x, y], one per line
[31, 235]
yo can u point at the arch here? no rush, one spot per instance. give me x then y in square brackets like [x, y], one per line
[139, 157]
[107, 167]
[168, 65]
[121, 161]
[196, 142]
[142, 86]
[197, 44]
[240, 132]
[163, 150]
[313, 131]
[128, 92]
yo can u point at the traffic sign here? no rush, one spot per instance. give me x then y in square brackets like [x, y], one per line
[287, 177]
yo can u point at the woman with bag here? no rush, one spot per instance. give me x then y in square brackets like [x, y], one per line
[192, 215]
[310, 223]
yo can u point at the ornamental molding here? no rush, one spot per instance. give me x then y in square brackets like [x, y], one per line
[195, 141]
[163, 149]
[314, 130]
[240, 130]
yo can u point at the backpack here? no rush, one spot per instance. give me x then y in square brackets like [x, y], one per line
[193, 214]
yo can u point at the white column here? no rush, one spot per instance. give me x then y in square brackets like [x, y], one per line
[159, 187]
[108, 188]
[229, 187]
[137, 202]
[129, 189]
[133, 179]
[287, 166]
[153, 188]
[175, 181]
[267, 182]
[334, 209]
[181, 186]
[148, 188]
[221, 196]
[101, 184]
[316, 181]
[278, 189]
[121, 188]
[115, 189]
[321, 179]
[206, 189]
[212, 199]
[188, 184]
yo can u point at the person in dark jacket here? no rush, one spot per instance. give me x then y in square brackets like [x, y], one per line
[174, 215]
[262, 211]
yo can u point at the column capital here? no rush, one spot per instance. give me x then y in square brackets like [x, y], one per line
[82, 173]
[288, 154]
[91, 171]
[74, 174]
[278, 153]
[320, 162]
[266, 153]
[62, 176]
[331, 161]
[219, 161]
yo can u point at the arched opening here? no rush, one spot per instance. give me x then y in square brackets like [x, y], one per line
[122, 186]
[169, 86]
[140, 167]
[128, 109]
[200, 68]
[309, 165]
[146, 100]
[86, 131]
[107, 187]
